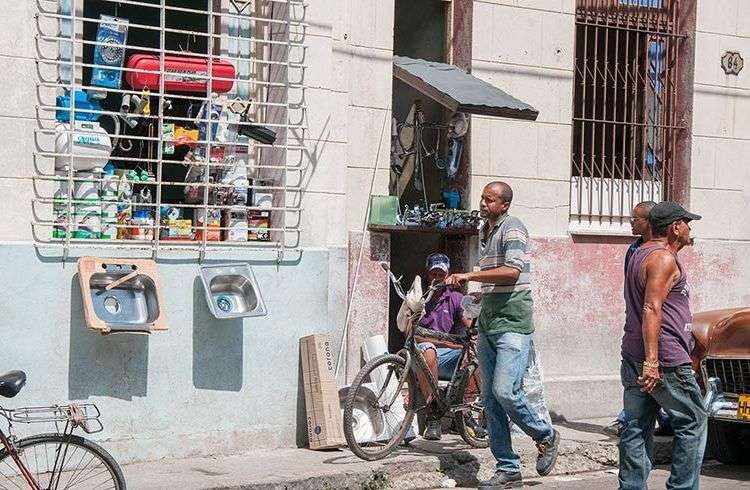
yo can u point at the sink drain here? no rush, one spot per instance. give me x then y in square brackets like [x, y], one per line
[225, 304]
[112, 305]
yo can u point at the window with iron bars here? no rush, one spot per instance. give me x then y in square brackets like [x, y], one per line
[625, 125]
[169, 124]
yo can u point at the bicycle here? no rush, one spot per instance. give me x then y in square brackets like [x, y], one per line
[398, 386]
[58, 460]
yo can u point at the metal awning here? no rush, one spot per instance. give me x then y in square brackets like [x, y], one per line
[457, 90]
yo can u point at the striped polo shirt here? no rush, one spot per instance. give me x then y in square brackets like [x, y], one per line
[506, 245]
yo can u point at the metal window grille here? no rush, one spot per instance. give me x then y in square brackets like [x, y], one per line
[625, 125]
[190, 171]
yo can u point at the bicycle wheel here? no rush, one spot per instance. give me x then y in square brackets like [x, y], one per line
[376, 419]
[61, 462]
[471, 424]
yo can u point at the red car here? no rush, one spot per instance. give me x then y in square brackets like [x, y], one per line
[721, 357]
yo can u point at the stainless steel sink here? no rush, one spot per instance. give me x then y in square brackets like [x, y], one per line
[130, 306]
[231, 291]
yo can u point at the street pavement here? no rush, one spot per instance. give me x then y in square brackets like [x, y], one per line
[588, 460]
[715, 476]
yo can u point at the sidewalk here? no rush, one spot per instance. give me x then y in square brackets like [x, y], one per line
[421, 464]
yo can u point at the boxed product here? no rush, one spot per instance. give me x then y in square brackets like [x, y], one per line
[258, 223]
[324, 423]
[212, 219]
[177, 229]
[236, 221]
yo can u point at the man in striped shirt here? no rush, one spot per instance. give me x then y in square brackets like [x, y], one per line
[505, 336]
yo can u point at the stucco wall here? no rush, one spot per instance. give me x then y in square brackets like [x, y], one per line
[526, 48]
[204, 386]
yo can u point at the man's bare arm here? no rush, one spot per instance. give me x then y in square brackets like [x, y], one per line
[660, 271]
[502, 275]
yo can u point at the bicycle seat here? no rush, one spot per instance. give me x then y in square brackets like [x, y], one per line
[11, 383]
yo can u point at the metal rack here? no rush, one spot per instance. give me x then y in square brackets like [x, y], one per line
[626, 126]
[264, 40]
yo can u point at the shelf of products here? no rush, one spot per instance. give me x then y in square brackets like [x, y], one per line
[468, 231]
[170, 125]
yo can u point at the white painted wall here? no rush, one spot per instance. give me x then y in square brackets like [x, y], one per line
[351, 48]
[526, 49]
[720, 179]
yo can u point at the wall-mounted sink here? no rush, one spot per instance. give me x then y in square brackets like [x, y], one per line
[232, 291]
[120, 295]
[131, 305]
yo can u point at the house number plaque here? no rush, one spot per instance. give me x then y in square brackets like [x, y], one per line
[732, 63]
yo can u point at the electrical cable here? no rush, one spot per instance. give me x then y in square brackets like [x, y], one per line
[386, 117]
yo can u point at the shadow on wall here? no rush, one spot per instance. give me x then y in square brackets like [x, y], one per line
[103, 365]
[217, 347]
[303, 440]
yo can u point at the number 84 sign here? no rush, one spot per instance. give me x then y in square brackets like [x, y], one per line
[732, 63]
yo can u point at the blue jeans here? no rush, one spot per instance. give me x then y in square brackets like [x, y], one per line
[447, 359]
[679, 395]
[661, 418]
[503, 359]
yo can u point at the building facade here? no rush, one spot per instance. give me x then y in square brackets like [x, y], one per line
[208, 386]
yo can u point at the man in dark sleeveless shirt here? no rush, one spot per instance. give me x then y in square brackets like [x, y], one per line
[655, 368]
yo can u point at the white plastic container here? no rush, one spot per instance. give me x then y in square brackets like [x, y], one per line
[92, 146]
[109, 210]
[60, 218]
[109, 229]
[373, 347]
[87, 221]
[86, 186]
[109, 187]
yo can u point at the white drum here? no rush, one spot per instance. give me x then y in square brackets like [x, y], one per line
[92, 146]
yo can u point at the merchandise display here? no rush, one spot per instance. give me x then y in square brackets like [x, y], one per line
[146, 152]
[109, 53]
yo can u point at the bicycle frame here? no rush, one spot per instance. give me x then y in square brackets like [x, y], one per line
[10, 448]
[411, 351]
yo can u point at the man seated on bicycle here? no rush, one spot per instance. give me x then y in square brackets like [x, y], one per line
[442, 313]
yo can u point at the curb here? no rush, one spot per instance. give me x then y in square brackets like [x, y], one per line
[464, 466]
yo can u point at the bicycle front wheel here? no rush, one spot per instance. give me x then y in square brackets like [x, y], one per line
[57, 461]
[472, 423]
[379, 407]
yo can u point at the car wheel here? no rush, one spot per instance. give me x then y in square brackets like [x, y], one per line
[729, 441]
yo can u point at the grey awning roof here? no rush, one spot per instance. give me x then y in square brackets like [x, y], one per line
[458, 90]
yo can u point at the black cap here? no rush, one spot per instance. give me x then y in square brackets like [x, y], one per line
[667, 212]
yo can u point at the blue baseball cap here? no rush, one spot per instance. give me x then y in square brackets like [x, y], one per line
[438, 261]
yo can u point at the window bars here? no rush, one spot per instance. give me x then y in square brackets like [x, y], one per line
[625, 125]
[169, 124]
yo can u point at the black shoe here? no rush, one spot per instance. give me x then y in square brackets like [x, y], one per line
[615, 428]
[501, 479]
[433, 431]
[547, 458]
[477, 430]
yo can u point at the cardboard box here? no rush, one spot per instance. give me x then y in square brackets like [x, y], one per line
[235, 220]
[258, 223]
[325, 428]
